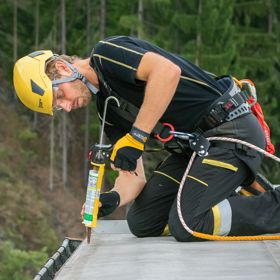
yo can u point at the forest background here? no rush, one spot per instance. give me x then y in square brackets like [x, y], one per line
[43, 161]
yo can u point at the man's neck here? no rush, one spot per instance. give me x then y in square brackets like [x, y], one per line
[84, 68]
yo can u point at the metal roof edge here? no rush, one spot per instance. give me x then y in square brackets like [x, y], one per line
[54, 263]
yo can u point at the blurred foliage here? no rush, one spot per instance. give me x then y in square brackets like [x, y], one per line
[19, 264]
[27, 134]
[25, 220]
[24, 215]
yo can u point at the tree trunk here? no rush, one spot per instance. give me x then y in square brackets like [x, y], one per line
[87, 109]
[140, 19]
[15, 36]
[103, 19]
[15, 30]
[52, 123]
[64, 116]
[51, 154]
[63, 27]
[37, 29]
[198, 34]
[89, 25]
[270, 18]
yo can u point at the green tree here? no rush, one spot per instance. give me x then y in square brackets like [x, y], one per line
[19, 264]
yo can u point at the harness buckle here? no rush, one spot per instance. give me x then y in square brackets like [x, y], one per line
[231, 105]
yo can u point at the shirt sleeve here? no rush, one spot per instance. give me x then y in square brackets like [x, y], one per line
[119, 59]
[113, 133]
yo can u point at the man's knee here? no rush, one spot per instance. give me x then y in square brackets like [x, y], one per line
[134, 224]
[179, 232]
[202, 223]
[142, 225]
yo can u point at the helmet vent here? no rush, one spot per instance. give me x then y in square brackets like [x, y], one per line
[34, 54]
[36, 88]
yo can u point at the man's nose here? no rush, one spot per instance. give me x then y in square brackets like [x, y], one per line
[66, 105]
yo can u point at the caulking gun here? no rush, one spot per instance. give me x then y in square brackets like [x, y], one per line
[98, 155]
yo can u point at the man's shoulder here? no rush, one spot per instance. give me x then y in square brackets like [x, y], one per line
[120, 40]
[106, 44]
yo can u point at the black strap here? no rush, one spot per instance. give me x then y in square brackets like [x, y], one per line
[235, 146]
[222, 108]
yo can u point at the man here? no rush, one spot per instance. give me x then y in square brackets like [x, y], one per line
[159, 89]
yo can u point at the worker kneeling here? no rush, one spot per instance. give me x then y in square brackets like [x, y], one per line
[155, 88]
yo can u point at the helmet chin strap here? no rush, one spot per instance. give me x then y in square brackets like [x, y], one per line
[75, 75]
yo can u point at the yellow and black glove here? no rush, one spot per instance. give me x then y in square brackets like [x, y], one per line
[109, 203]
[128, 149]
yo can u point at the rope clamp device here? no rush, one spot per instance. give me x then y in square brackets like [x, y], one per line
[198, 143]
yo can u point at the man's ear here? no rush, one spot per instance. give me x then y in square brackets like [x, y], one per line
[63, 69]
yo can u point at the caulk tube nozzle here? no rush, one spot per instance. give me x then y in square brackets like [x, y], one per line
[88, 233]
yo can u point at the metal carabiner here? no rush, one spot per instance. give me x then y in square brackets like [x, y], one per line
[172, 129]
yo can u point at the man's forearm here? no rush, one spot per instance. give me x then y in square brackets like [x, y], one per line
[129, 185]
[161, 86]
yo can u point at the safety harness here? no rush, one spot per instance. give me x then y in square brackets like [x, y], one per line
[231, 105]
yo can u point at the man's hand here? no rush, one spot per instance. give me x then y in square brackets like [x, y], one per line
[83, 211]
[128, 149]
[108, 203]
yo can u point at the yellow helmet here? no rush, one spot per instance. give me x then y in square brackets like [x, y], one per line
[32, 85]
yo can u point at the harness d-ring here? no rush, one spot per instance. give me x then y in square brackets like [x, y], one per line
[167, 138]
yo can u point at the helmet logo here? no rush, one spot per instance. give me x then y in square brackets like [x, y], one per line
[36, 88]
[40, 105]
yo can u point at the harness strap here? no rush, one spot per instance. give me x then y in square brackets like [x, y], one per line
[75, 75]
[231, 105]
[235, 146]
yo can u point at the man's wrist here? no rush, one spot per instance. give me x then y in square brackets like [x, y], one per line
[139, 135]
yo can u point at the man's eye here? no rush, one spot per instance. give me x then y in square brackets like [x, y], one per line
[59, 94]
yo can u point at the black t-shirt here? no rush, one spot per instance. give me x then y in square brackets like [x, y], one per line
[118, 58]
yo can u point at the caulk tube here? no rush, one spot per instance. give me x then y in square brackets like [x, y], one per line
[95, 178]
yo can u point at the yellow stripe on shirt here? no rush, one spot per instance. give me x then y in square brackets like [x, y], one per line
[115, 61]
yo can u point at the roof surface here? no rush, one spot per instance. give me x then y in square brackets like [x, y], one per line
[114, 253]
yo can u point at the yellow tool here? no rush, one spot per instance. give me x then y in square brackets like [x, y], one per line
[98, 156]
[95, 178]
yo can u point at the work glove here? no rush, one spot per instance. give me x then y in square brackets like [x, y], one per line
[128, 149]
[109, 203]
